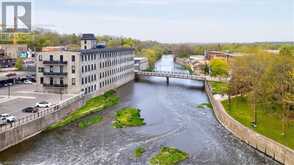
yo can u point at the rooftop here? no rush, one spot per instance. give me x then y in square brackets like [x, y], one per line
[88, 37]
[106, 50]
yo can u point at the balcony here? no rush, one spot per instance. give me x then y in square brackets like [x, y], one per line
[55, 74]
[55, 85]
[55, 62]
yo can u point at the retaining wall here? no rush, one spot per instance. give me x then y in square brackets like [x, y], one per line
[268, 146]
[38, 123]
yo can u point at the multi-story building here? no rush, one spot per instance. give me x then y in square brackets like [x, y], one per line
[141, 63]
[91, 70]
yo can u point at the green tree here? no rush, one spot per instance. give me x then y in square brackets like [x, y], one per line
[285, 51]
[19, 64]
[219, 67]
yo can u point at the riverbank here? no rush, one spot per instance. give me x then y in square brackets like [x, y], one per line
[95, 104]
[268, 146]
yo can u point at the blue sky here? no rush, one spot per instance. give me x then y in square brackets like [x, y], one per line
[171, 20]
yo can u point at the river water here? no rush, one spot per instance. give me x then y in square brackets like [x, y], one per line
[172, 119]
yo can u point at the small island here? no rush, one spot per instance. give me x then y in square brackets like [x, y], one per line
[169, 156]
[128, 117]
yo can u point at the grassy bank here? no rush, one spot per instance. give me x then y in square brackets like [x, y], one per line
[219, 87]
[169, 156]
[128, 117]
[95, 104]
[269, 120]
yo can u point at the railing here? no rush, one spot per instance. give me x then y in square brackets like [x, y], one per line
[182, 75]
[55, 74]
[40, 114]
[55, 85]
[52, 62]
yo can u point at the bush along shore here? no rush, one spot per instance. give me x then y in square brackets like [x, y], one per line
[95, 104]
[128, 117]
[169, 156]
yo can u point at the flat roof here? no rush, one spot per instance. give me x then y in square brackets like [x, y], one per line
[106, 50]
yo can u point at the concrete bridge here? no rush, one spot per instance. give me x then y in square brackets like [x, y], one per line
[179, 75]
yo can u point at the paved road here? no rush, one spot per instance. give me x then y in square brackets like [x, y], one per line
[22, 96]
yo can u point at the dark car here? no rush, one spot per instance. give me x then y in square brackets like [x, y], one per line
[30, 110]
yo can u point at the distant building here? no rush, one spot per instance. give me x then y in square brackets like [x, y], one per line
[13, 51]
[210, 55]
[90, 71]
[141, 63]
[6, 62]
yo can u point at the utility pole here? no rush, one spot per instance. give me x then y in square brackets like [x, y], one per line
[8, 91]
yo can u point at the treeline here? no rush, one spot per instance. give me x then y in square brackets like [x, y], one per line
[42, 38]
[267, 80]
[185, 50]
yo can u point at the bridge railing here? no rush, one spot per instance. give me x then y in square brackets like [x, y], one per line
[183, 75]
[40, 114]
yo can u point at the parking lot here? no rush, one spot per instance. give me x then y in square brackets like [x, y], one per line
[22, 96]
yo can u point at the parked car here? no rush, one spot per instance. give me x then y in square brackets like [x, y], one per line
[43, 104]
[30, 110]
[4, 115]
[11, 119]
[3, 121]
[27, 82]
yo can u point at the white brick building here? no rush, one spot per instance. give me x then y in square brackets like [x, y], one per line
[91, 71]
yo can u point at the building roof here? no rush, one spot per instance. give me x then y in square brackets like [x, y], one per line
[106, 50]
[88, 36]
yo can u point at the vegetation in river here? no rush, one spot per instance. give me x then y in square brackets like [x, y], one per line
[204, 106]
[169, 156]
[128, 117]
[95, 104]
[269, 119]
[90, 121]
[138, 152]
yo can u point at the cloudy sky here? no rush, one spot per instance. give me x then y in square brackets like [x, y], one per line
[171, 20]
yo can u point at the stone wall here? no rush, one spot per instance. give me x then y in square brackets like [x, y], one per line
[268, 146]
[24, 131]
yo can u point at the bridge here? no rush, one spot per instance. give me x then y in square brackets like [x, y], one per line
[179, 75]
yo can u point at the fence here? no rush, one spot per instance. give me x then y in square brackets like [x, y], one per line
[268, 146]
[40, 114]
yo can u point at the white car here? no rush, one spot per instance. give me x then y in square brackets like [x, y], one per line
[11, 119]
[27, 82]
[43, 104]
[5, 115]
[3, 121]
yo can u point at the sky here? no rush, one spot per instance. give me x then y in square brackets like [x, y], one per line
[171, 21]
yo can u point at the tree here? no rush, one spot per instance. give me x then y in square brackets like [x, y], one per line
[281, 80]
[19, 64]
[285, 51]
[219, 67]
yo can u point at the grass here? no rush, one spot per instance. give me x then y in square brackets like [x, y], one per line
[204, 106]
[138, 152]
[90, 121]
[219, 87]
[269, 120]
[169, 156]
[95, 104]
[128, 117]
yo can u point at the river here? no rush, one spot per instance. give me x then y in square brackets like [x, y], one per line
[172, 119]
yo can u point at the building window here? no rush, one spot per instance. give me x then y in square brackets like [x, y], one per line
[85, 47]
[82, 69]
[61, 57]
[85, 42]
[61, 81]
[41, 80]
[73, 58]
[73, 80]
[40, 70]
[73, 69]
[40, 57]
[82, 81]
[51, 69]
[51, 80]
[51, 57]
